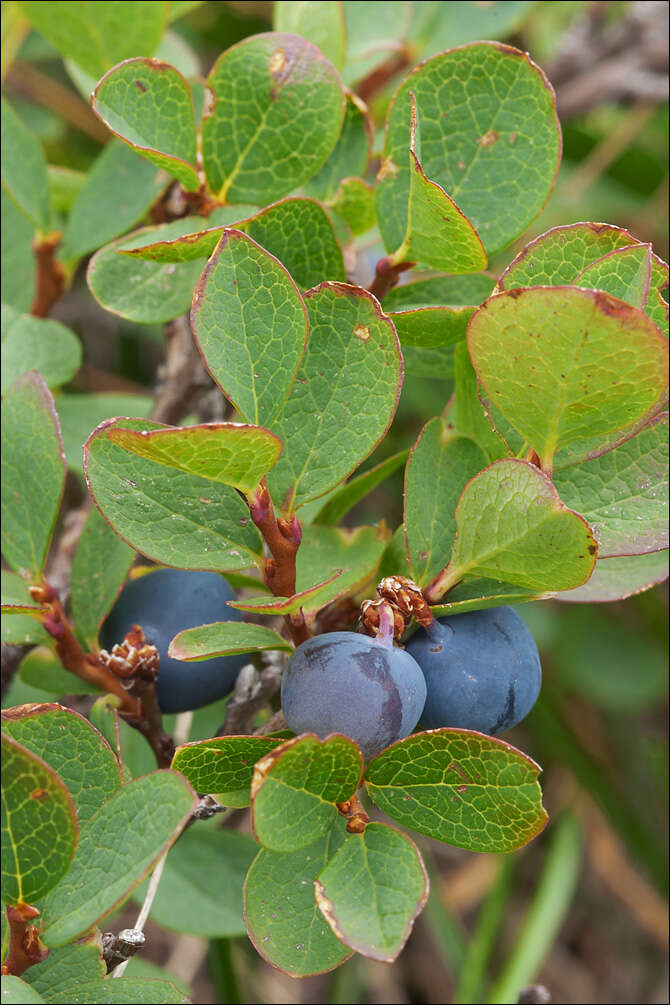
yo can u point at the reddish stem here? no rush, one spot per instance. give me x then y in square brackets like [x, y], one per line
[387, 276]
[70, 653]
[381, 75]
[283, 540]
[50, 277]
[357, 818]
[25, 948]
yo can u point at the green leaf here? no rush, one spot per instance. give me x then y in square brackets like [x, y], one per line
[72, 748]
[346, 497]
[320, 23]
[126, 991]
[41, 670]
[117, 847]
[65, 968]
[372, 890]
[296, 786]
[250, 324]
[24, 169]
[354, 201]
[145, 292]
[226, 452]
[100, 567]
[149, 105]
[31, 493]
[437, 26]
[561, 255]
[394, 560]
[79, 414]
[171, 517]
[454, 291]
[98, 35]
[17, 992]
[118, 191]
[296, 231]
[65, 184]
[356, 552]
[223, 639]
[30, 343]
[624, 273]
[437, 232]
[624, 493]
[513, 527]
[480, 594]
[490, 139]
[224, 765]
[461, 787]
[178, 8]
[296, 941]
[545, 358]
[200, 891]
[431, 327]
[39, 825]
[18, 263]
[440, 464]
[620, 577]
[329, 426]
[351, 155]
[288, 605]
[277, 113]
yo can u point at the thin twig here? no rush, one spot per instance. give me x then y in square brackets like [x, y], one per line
[50, 275]
[25, 948]
[152, 890]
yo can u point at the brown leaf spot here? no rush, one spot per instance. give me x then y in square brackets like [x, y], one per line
[389, 169]
[277, 62]
[489, 138]
[141, 86]
[40, 794]
[362, 332]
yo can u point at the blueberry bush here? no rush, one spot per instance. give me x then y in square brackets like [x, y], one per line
[345, 682]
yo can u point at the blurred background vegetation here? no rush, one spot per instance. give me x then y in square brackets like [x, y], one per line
[583, 909]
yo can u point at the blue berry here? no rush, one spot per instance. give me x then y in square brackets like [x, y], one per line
[482, 670]
[342, 682]
[163, 603]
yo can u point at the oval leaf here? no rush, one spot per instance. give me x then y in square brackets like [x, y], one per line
[223, 639]
[117, 847]
[24, 168]
[372, 890]
[172, 517]
[224, 765]
[490, 138]
[295, 788]
[513, 527]
[30, 343]
[31, 493]
[461, 787]
[250, 324]
[39, 825]
[226, 452]
[563, 363]
[277, 112]
[149, 105]
[298, 941]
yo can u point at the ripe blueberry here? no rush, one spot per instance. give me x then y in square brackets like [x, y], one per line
[163, 603]
[482, 670]
[342, 682]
